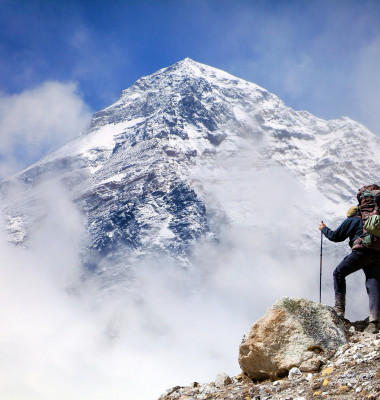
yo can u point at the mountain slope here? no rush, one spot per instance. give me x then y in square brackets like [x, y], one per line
[177, 157]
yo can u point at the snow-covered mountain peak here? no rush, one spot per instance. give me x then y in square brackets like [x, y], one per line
[184, 74]
[180, 153]
[196, 195]
[192, 69]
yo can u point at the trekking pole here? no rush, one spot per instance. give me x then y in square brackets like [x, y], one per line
[320, 271]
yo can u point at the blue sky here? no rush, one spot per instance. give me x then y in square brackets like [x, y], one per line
[320, 56]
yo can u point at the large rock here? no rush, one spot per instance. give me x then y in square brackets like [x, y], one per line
[292, 331]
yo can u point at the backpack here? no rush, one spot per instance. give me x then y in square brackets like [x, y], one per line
[369, 205]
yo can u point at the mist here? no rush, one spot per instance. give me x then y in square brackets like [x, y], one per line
[64, 336]
[31, 123]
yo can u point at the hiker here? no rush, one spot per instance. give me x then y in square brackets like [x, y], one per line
[366, 259]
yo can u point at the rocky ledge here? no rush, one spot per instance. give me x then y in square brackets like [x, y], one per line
[344, 365]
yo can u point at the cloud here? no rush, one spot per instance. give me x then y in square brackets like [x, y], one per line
[64, 336]
[270, 247]
[366, 85]
[37, 121]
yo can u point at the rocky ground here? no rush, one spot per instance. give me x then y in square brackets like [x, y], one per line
[352, 372]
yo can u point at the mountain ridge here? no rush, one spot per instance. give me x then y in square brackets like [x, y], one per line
[141, 171]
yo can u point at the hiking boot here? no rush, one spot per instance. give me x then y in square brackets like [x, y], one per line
[339, 309]
[373, 327]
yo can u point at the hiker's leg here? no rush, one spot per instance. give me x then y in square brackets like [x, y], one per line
[372, 274]
[348, 265]
[374, 298]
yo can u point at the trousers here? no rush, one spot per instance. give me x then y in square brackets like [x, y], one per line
[369, 262]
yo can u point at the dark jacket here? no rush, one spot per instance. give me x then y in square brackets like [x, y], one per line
[351, 228]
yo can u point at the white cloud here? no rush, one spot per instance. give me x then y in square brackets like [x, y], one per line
[37, 121]
[63, 337]
[366, 86]
[298, 75]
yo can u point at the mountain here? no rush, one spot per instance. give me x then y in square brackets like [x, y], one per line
[186, 152]
[148, 244]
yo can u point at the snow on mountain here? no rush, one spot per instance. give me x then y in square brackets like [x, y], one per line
[195, 199]
[188, 150]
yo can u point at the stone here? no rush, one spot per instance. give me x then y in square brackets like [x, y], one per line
[343, 389]
[349, 380]
[310, 365]
[327, 371]
[291, 332]
[316, 385]
[222, 380]
[323, 360]
[294, 373]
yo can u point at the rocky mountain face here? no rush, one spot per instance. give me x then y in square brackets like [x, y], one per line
[149, 170]
[299, 350]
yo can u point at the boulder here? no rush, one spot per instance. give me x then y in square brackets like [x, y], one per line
[292, 331]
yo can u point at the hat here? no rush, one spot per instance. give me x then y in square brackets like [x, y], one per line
[352, 211]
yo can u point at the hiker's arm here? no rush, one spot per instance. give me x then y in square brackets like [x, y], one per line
[339, 235]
